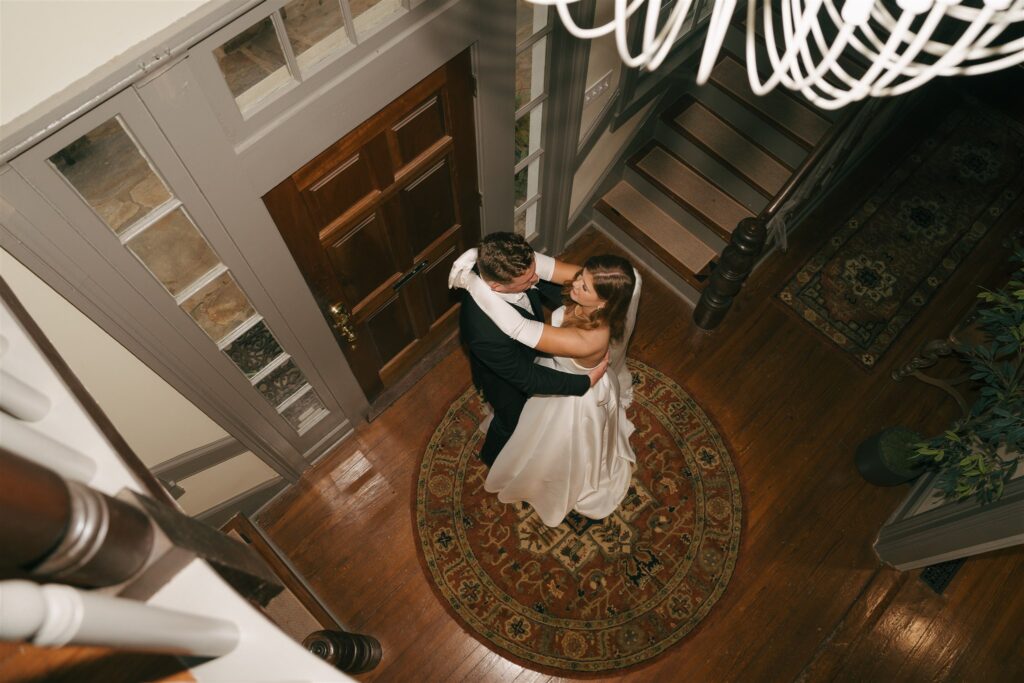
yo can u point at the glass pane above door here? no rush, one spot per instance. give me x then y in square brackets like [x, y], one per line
[372, 15]
[108, 170]
[315, 28]
[253, 64]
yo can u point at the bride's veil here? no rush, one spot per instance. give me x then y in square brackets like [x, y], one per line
[617, 356]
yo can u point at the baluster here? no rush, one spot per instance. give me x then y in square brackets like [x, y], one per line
[27, 443]
[67, 531]
[732, 270]
[21, 400]
[56, 615]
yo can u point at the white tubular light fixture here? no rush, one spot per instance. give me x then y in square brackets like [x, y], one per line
[901, 45]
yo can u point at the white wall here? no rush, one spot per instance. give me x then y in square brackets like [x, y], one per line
[156, 421]
[65, 40]
[223, 482]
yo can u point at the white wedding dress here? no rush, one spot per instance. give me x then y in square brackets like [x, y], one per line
[572, 452]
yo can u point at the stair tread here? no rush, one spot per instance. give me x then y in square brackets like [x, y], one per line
[789, 114]
[674, 238]
[754, 125]
[689, 186]
[728, 144]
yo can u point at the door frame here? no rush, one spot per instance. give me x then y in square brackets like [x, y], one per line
[369, 151]
[236, 174]
[232, 176]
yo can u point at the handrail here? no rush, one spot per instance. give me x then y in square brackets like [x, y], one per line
[751, 234]
[810, 162]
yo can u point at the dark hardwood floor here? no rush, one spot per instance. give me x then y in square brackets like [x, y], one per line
[809, 600]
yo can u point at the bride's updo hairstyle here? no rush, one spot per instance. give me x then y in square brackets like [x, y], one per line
[614, 281]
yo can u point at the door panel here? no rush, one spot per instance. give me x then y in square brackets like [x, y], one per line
[419, 131]
[428, 204]
[340, 190]
[390, 328]
[362, 259]
[436, 283]
[375, 221]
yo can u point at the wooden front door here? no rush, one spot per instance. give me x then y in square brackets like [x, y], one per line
[375, 221]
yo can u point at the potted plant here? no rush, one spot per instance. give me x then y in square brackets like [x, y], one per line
[888, 458]
[979, 453]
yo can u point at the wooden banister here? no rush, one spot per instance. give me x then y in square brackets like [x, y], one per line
[751, 235]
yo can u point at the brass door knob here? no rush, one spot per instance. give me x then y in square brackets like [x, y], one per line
[343, 322]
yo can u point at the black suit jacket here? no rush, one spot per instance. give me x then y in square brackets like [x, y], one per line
[501, 365]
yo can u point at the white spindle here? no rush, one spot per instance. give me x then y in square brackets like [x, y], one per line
[22, 440]
[55, 615]
[21, 400]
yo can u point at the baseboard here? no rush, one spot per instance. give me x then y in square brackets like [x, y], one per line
[198, 459]
[415, 374]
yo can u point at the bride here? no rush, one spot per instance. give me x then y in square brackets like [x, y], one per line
[571, 452]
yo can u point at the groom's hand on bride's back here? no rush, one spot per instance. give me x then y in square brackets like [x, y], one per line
[598, 372]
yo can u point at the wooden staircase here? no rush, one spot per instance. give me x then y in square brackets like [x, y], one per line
[719, 154]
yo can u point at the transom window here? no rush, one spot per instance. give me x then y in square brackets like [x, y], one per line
[279, 51]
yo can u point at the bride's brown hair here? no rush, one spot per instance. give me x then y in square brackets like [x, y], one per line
[613, 283]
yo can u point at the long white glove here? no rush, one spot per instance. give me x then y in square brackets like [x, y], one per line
[466, 261]
[545, 266]
[501, 313]
[464, 264]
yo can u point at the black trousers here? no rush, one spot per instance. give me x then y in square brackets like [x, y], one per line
[507, 406]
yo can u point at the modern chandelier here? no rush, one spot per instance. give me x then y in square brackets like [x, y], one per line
[906, 43]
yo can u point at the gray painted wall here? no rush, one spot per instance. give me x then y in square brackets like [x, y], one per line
[230, 173]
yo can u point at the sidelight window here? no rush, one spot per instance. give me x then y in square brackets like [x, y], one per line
[532, 32]
[111, 173]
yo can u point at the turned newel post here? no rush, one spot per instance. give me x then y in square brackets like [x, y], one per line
[352, 653]
[732, 270]
[65, 530]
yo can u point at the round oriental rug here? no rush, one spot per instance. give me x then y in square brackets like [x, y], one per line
[586, 596]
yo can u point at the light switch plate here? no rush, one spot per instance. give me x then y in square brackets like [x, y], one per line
[595, 90]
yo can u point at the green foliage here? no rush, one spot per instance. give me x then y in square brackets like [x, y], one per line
[897, 448]
[967, 455]
[522, 151]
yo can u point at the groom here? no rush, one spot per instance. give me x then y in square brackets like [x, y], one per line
[503, 369]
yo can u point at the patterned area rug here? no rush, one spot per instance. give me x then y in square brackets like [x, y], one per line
[866, 284]
[586, 596]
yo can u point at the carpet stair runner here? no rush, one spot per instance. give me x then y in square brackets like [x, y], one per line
[719, 154]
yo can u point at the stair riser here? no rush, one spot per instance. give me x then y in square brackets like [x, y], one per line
[678, 213]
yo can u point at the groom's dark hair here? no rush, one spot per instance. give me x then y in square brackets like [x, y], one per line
[503, 256]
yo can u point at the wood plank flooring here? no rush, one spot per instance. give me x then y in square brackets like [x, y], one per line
[809, 601]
